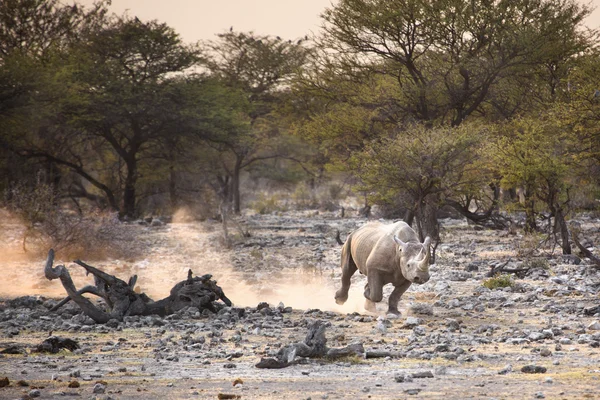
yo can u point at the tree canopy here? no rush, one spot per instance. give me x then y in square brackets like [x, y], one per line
[422, 105]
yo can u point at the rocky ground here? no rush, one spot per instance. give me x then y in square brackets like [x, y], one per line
[455, 340]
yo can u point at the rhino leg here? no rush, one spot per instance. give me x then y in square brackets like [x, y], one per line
[374, 287]
[370, 306]
[395, 297]
[348, 269]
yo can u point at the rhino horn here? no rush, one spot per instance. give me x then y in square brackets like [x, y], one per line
[400, 242]
[427, 242]
[425, 249]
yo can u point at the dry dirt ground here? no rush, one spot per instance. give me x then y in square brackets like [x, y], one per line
[455, 339]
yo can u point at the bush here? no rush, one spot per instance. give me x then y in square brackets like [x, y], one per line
[499, 281]
[267, 204]
[50, 225]
[536, 262]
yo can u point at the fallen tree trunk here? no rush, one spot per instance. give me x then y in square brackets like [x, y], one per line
[121, 299]
[313, 346]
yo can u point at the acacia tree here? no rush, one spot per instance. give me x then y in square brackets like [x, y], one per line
[447, 56]
[421, 167]
[539, 155]
[441, 63]
[33, 34]
[259, 67]
[116, 102]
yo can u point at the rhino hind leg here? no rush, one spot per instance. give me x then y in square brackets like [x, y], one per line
[348, 269]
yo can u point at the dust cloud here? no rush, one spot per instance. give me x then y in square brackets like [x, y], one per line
[169, 252]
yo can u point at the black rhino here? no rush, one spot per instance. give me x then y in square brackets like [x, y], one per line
[389, 253]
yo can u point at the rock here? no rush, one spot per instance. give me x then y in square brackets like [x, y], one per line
[594, 326]
[533, 369]
[4, 382]
[262, 305]
[452, 324]
[472, 267]
[459, 276]
[156, 222]
[536, 336]
[412, 391]
[507, 368]
[421, 308]
[539, 395]
[271, 363]
[570, 259]
[545, 352]
[422, 374]
[99, 388]
[411, 322]
[54, 344]
[34, 393]
[403, 378]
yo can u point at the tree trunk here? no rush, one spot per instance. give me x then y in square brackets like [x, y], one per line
[235, 185]
[122, 300]
[409, 216]
[428, 224]
[530, 224]
[129, 191]
[559, 219]
[173, 195]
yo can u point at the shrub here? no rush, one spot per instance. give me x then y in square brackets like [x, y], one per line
[267, 204]
[50, 225]
[499, 281]
[536, 262]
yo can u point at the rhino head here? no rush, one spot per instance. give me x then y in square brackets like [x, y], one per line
[414, 260]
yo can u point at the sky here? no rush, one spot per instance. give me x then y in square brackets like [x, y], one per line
[202, 19]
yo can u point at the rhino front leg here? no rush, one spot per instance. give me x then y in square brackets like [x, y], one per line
[374, 286]
[395, 298]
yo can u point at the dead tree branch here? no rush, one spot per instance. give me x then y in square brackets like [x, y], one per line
[121, 299]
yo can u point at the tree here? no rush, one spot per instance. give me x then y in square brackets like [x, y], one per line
[441, 63]
[259, 67]
[33, 34]
[422, 166]
[448, 56]
[117, 101]
[539, 156]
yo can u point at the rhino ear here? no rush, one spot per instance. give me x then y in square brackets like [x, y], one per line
[427, 242]
[400, 242]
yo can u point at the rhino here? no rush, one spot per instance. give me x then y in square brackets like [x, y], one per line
[385, 253]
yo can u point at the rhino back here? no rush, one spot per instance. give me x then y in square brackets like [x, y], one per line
[375, 240]
[404, 232]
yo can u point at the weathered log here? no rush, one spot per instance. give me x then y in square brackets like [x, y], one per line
[121, 299]
[313, 346]
[383, 354]
[54, 344]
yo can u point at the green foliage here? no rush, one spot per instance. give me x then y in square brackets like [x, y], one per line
[267, 204]
[449, 56]
[420, 161]
[498, 281]
[49, 224]
[531, 151]
[536, 262]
